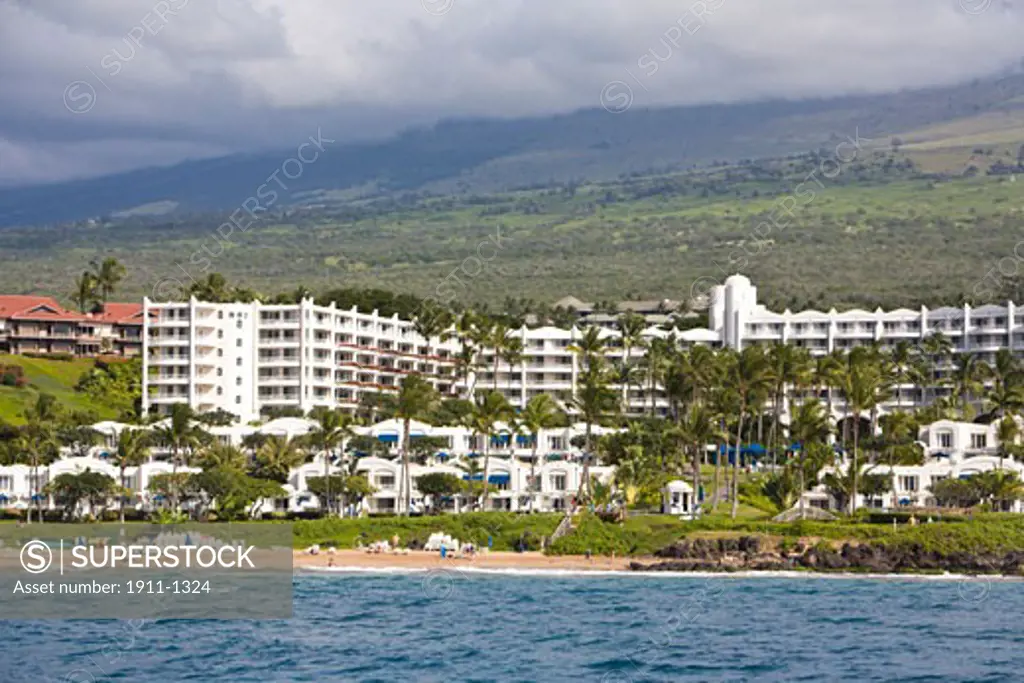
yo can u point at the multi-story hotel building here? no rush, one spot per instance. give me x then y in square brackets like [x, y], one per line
[245, 358]
[38, 324]
[248, 358]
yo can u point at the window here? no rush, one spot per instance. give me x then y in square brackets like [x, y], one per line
[220, 315]
[238, 342]
[220, 372]
[558, 482]
[238, 362]
[239, 324]
[908, 483]
[238, 381]
[945, 439]
[238, 400]
[979, 440]
[220, 353]
[6, 483]
[220, 391]
[220, 334]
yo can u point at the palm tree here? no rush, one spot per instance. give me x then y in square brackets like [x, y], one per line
[590, 345]
[1007, 433]
[809, 425]
[698, 427]
[107, 275]
[902, 357]
[594, 400]
[540, 413]
[864, 387]
[746, 375]
[333, 428]
[432, 322]
[788, 366]
[277, 458]
[512, 355]
[182, 437]
[898, 431]
[488, 410]
[224, 456]
[498, 339]
[631, 328]
[415, 401]
[84, 295]
[969, 373]
[654, 363]
[935, 349]
[132, 451]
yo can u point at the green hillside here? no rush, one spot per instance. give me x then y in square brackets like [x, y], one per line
[56, 377]
[880, 231]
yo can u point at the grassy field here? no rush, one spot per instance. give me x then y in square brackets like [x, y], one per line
[51, 377]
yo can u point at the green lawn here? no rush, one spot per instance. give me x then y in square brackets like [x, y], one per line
[504, 529]
[47, 376]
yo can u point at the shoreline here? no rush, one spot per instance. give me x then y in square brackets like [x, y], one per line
[576, 566]
[423, 560]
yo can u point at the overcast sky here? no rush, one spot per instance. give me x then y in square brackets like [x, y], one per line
[93, 86]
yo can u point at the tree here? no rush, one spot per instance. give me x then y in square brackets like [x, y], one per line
[432, 322]
[864, 387]
[69, 490]
[415, 401]
[631, 328]
[935, 349]
[182, 437]
[699, 427]
[132, 451]
[488, 410]
[969, 373]
[787, 366]
[232, 492]
[438, 485]
[1007, 434]
[899, 430]
[746, 375]
[540, 413]
[333, 428]
[84, 294]
[594, 400]
[808, 425]
[277, 458]
[107, 275]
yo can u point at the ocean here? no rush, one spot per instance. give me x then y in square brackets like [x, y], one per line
[449, 625]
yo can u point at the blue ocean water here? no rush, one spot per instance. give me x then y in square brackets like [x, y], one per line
[453, 626]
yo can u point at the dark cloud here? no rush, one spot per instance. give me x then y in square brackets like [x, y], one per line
[94, 86]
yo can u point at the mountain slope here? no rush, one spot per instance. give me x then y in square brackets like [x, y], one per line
[496, 155]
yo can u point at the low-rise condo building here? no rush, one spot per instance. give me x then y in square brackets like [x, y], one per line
[38, 324]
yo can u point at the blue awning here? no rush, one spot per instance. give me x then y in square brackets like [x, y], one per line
[499, 479]
[749, 449]
[472, 477]
[524, 439]
[501, 439]
[388, 438]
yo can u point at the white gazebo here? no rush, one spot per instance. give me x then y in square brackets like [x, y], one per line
[680, 499]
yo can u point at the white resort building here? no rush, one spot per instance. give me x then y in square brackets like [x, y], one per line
[547, 485]
[248, 358]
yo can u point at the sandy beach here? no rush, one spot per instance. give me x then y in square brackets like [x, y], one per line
[419, 559]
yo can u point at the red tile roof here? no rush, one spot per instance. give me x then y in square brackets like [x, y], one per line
[23, 307]
[120, 313]
[34, 308]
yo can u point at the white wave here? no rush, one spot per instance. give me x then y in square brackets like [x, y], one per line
[585, 573]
